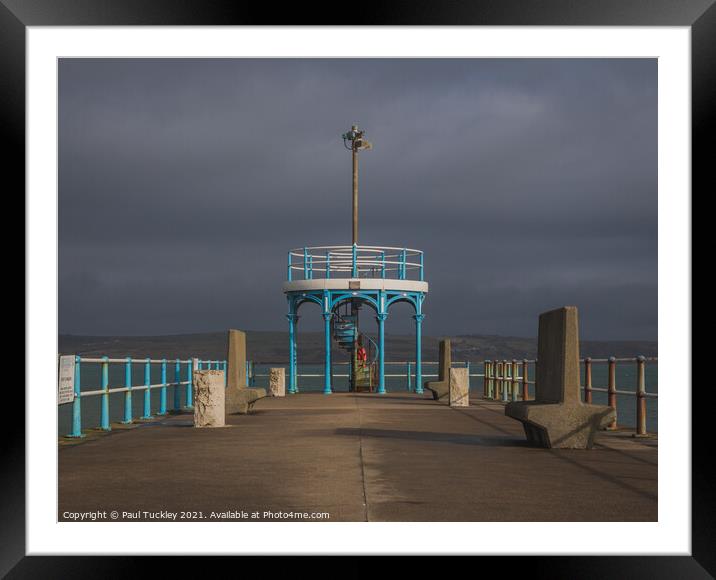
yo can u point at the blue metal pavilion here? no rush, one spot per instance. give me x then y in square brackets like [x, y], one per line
[332, 276]
[348, 277]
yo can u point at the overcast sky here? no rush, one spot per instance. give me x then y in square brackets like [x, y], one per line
[529, 184]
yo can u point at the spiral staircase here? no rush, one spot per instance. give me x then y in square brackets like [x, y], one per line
[346, 333]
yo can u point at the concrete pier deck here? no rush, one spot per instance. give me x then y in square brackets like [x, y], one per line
[360, 457]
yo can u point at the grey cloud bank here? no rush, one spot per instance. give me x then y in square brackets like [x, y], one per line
[529, 184]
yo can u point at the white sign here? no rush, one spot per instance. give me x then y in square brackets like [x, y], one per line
[66, 381]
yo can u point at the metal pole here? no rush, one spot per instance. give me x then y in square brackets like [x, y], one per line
[418, 353]
[525, 380]
[640, 398]
[407, 374]
[485, 378]
[76, 405]
[327, 368]
[588, 380]
[381, 354]
[612, 390]
[189, 383]
[104, 420]
[354, 155]
[147, 391]
[128, 392]
[163, 392]
[177, 380]
[505, 381]
[291, 354]
[514, 379]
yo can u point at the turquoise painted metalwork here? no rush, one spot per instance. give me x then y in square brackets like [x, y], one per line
[104, 414]
[76, 404]
[163, 391]
[189, 381]
[177, 380]
[418, 354]
[327, 338]
[128, 393]
[147, 391]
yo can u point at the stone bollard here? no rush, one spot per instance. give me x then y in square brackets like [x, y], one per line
[459, 388]
[209, 399]
[277, 382]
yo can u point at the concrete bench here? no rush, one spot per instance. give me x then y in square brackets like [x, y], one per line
[239, 398]
[557, 418]
[440, 389]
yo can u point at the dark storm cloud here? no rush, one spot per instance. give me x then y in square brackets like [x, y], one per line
[528, 183]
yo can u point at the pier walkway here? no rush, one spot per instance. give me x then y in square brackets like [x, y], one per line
[360, 457]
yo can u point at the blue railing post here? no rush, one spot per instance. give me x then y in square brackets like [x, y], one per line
[128, 392]
[163, 392]
[422, 276]
[177, 380]
[403, 257]
[354, 269]
[408, 375]
[104, 415]
[289, 267]
[382, 269]
[76, 405]
[305, 263]
[198, 364]
[189, 380]
[328, 265]
[147, 391]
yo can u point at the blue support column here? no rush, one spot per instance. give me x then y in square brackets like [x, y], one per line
[292, 318]
[354, 268]
[163, 391]
[418, 353]
[104, 415]
[177, 380]
[189, 380]
[76, 404]
[128, 392]
[381, 355]
[147, 391]
[327, 367]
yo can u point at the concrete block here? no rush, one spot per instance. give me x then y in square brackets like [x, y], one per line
[209, 398]
[277, 382]
[557, 418]
[236, 359]
[459, 388]
[440, 389]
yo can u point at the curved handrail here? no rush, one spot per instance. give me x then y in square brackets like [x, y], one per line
[355, 262]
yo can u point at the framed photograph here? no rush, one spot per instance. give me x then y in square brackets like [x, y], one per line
[400, 286]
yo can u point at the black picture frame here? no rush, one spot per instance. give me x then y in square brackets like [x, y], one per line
[699, 15]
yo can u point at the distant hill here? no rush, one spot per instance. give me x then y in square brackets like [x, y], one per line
[263, 346]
